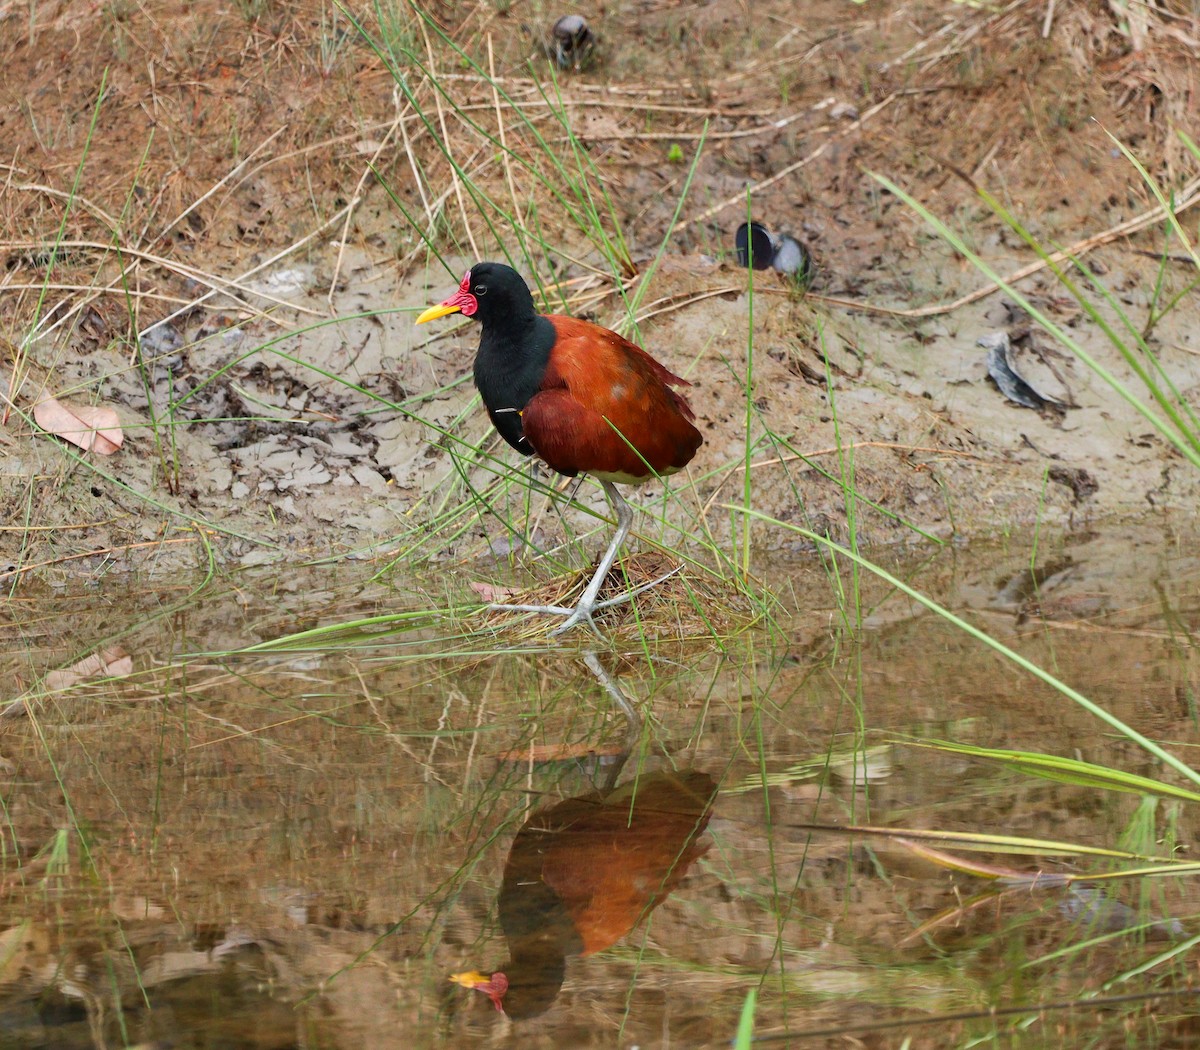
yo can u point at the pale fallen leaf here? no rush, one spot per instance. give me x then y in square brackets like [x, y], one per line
[107, 663]
[491, 593]
[93, 428]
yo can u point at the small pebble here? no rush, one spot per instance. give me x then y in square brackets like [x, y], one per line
[753, 243]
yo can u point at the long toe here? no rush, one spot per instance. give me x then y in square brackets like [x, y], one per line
[581, 614]
[544, 610]
[641, 588]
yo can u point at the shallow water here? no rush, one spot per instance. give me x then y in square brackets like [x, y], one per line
[297, 849]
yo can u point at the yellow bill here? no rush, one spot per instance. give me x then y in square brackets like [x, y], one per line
[441, 310]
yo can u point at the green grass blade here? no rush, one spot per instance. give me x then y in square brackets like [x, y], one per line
[745, 1029]
[1064, 770]
[1011, 655]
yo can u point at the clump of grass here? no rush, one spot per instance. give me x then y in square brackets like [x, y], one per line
[685, 603]
[1168, 411]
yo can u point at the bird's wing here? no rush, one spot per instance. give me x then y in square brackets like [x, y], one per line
[606, 407]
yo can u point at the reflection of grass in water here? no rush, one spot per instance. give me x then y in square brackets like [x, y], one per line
[370, 775]
[1178, 425]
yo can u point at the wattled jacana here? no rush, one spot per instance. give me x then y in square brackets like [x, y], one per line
[583, 399]
[583, 873]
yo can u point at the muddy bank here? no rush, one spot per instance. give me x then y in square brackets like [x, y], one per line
[276, 397]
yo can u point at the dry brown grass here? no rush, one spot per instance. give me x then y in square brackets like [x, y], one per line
[223, 139]
[685, 605]
[232, 139]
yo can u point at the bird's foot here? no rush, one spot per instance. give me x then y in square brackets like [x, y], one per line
[574, 614]
[583, 612]
[580, 614]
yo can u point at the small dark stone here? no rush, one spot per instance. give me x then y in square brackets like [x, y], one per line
[1081, 483]
[756, 245]
[753, 244]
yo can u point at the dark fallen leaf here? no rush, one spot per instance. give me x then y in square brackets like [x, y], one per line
[1002, 368]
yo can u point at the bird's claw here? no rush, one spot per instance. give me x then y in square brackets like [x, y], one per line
[582, 613]
[575, 614]
[578, 615]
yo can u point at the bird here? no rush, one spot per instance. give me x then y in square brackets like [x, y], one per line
[582, 399]
[757, 247]
[583, 873]
[570, 42]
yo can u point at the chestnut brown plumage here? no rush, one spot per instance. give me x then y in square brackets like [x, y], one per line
[583, 873]
[583, 399]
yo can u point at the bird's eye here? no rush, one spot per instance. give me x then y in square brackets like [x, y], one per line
[481, 289]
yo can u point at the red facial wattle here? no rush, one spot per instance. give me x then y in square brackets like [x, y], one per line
[495, 990]
[463, 299]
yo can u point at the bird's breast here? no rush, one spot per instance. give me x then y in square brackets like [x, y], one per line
[509, 369]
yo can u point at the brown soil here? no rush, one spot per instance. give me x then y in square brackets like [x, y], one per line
[250, 172]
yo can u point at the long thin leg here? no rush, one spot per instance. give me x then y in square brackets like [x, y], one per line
[587, 605]
[633, 721]
[587, 601]
[582, 613]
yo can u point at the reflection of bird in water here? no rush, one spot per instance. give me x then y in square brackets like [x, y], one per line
[583, 873]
